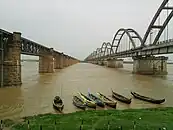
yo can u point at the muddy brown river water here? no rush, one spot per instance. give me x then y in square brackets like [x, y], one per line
[37, 91]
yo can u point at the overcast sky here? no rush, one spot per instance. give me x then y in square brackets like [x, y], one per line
[75, 27]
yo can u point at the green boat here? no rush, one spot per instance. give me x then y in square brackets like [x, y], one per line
[107, 100]
[77, 101]
[89, 102]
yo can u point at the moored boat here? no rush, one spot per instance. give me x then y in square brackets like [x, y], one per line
[89, 102]
[58, 103]
[148, 99]
[121, 97]
[78, 102]
[107, 100]
[96, 99]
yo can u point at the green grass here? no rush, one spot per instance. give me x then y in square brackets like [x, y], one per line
[153, 119]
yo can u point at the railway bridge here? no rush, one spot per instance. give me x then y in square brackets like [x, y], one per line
[128, 43]
[12, 45]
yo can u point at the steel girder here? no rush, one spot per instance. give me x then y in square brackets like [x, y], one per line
[29, 47]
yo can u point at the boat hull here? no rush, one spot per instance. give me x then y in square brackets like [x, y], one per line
[91, 105]
[58, 107]
[79, 103]
[107, 101]
[111, 104]
[148, 99]
[79, 106]
[97, 100]
[121, 98]
[88, 102]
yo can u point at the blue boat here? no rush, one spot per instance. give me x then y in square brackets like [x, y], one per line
[96, 99]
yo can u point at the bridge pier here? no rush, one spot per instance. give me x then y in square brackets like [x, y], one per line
[59, 61]
[115, 63]
[150, 65]
[101, 63]
[71, 61]
[12, 45]
[96, 62]
[65, 61]
[11, 64]
[46, 63]
[105, 63]
[68, 61]
[56, 62]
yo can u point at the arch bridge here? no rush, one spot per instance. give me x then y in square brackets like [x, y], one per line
[128, 43]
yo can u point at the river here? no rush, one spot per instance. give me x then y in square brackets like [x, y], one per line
[38, 90]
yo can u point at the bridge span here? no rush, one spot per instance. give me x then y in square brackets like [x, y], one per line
[144, 54]
[12, 45]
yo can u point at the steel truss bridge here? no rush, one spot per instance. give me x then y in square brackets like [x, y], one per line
[28, 47]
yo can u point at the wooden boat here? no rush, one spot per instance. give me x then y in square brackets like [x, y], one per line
[96, 99]
[78, 102]
[58, 103]
[121, 98]
[89, 102]
[107, 100]
[148, 99]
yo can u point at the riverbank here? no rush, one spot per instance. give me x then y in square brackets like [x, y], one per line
[140, 118]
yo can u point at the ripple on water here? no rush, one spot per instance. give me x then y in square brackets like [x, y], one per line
[37, 91]
[11, 111]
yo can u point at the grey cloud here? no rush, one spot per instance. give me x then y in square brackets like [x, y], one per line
[73, 26]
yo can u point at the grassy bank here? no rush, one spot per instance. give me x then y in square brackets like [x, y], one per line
[153, 119]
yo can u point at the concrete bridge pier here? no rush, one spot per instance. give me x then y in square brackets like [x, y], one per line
[92, 62]
[60, 61]
[65, 60]
[76, 61]
[46, 63]
[95, 62]
[105, 63]
[73, 61]
[11, 64]
[68, 61]
[115, 63]
[57, 61]
[150, 65]
[100, 62]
